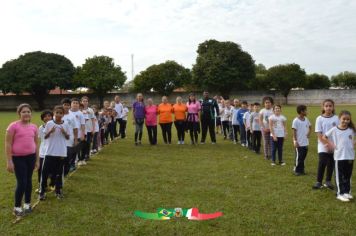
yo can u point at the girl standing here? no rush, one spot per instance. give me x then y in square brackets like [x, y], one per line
[151, 121]
[342, 141]
[265, 113]
[22, 156]
[179, 110]
[165, 119]
[277, 126]
[323, 124]
[138, 117]
[193, 108]
[225, 118]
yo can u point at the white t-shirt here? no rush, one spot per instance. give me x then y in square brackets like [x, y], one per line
[79, 117]
[255, 125]
[125, 112]
[302, 129]
[322, 125]
[246, 118]
[43, 145]
[343, 140]
[88, 116]
[96, 128]
[278, 125]
[266, 113]
[70, 120]
[226, 115]
[234, 120]
[56, 142]
[118, 108]
[221, 108]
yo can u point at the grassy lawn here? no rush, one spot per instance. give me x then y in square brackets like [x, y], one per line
[255, 197]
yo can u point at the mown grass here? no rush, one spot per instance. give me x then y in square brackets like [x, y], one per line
[255, 198]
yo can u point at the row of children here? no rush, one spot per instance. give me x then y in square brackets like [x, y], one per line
[335, 138]
[69, 135]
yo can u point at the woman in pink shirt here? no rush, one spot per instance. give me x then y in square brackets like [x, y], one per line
[193, 118]
[22, 156]
[151, 121]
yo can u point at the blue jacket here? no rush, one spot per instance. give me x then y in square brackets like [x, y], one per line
[240, 115]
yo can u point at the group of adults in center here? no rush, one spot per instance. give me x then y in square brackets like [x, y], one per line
[193, 116]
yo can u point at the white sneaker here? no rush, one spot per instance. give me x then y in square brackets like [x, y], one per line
[182, 142]
[84, 162]
[348, 196]
[178, 143]
[80, 163]
[273, 164]
[342, 198]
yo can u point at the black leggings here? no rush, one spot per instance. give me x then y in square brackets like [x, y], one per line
[85, 152]
[23, 166]
[166, 132]
[194, 129]
[138, 129]
[326, 161]
[180, 126]
[152, 134]
[226, 128]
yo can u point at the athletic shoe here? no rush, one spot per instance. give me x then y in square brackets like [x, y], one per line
[42, 197]
[27, 210]
[179, 143]
[342, 198]
[84, 162]
[348, 196]
[282, 163]
[213, 143]
[182, 142]
[18, 212]
[59, 195]
[273, 164]
[317, 185]
[329, 186]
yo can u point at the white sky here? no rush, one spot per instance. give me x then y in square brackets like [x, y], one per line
[320, 35]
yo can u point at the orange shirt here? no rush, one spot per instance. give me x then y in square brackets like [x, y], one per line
[179, 111]
[165, 113]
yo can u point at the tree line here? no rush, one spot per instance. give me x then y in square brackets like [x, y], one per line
[220, 67]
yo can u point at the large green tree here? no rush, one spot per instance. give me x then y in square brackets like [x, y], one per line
[101, 75]
[36, 73]
[162, 78]
[344, 80]
[259, 82]
[222, 67]
[317, 81]
[285, 77]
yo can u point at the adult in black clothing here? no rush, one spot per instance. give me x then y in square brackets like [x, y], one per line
[209, 107]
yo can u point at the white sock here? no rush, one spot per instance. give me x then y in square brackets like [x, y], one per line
[18, 209]
[26, 206]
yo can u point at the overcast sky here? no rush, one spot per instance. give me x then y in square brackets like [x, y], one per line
[320, 35]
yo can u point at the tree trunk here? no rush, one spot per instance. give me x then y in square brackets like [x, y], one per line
[39, 98]
[101, 100]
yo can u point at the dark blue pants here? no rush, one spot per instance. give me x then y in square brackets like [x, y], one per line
[23, 166]
[300, 155]
[277, 146]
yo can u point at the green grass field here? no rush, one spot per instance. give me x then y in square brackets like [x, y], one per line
[255, 197]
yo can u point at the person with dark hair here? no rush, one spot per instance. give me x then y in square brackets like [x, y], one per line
[193, 108]
[277, 126]
[255, 128]
[80, 123]
[341, 139]
[46, 116]
[240, 118]
[209, 107]
[22, 156]
[72, 142]
[326, 121]
[180, 110]
[57, 132]
[118, 119]
[301, 130]
[151, 121]
[265, 113]
[89, 117]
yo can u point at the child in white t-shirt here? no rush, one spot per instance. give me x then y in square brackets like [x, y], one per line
[277, 126]
[301, 131]
[247, 123]
[323, 124]
[46, 116]
[56, 133]
[341, 140]
[124, 115]
[225, 118]
[265, 113]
